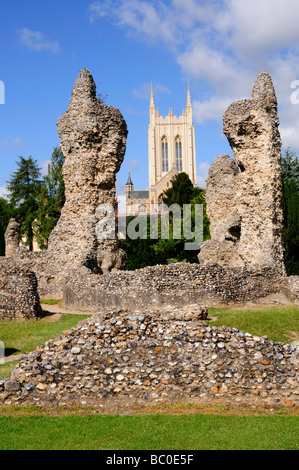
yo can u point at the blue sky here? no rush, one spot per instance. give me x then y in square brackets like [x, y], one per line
[220, 46]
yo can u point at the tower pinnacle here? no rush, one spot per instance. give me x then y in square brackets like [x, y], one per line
[152, 102]
[189, 104]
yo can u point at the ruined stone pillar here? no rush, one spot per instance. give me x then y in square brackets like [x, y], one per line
[11, 236]
[93, 141]
[253, 207]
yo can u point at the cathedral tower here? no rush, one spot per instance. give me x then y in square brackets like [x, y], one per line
[171, 143]
[171, 150]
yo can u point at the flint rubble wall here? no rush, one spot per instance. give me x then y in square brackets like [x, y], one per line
[19, 299]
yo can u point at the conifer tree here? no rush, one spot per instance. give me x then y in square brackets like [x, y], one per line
[290, 203]
[290, 206]
[24, 187]
[180, 192]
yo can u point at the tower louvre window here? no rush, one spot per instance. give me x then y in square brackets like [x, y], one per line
[178, 154]
[164, 155]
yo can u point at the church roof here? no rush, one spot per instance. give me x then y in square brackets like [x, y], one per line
[129, 180]
[139, 194]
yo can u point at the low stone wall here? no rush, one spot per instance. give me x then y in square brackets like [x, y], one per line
[122, 358]
[175, 284]
[19, 299]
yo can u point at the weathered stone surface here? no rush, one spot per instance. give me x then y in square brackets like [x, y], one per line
[93, 140]
[220, 198]
[244, 198]
[12, 236]
[19, 299]
[147, 357]
[177, 284]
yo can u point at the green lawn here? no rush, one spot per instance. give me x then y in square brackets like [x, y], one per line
[169, 431]
[156, 432]
[278, 323]
[24, 337]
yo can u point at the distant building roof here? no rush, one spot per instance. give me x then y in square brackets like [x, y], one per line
[129, 180]
[139, 194]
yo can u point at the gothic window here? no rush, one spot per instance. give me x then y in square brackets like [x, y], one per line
[178, 154]
[142, 209]
[164, 155]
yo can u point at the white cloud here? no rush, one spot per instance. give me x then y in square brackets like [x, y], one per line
[210, 110]
[3, 192]
[120, 188]
[289, 136]
[121, 204]
[202, 174]
[135, 112]
[256, 26]
[143, 90]
[9, 141]
[37, 41]
[44, 167]
[133, 163]
[224, 44]
[139, 18]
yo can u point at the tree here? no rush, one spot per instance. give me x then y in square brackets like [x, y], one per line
[290, 166]
[180, 192]
[24, 188]
[199, 197]
[149, 252]
[5, 215]
[51, 198]
[290, 206]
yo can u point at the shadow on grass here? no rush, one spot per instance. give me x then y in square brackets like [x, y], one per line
[10, 351]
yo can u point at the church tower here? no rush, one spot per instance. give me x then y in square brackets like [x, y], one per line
[171, 150]
[171, 143]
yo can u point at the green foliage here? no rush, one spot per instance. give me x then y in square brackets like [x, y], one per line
[290, 207]
[140, 252]
[24, 188]
[290, 204]
[34, 202]
[181, 190]
[198, 197]
[146, 251]
[290, 167]
[51, 198]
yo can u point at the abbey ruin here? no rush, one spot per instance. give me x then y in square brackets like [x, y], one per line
[141, 343]
[244, 195]
[243, 260]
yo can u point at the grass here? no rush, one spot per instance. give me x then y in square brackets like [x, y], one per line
[278, 323]
[156, 432]
[50, 301]
[23, 337]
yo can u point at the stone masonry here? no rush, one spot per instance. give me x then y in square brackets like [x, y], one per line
[12, 235]
[119, 358]
[244, 196]
[19, 299]
[178, 285]
[93, 141]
